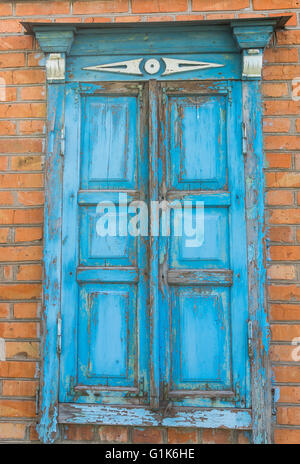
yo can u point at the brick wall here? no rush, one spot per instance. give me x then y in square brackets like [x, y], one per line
[22, 129]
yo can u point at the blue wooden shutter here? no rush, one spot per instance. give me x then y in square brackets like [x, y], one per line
[105, 349]
[204, 304]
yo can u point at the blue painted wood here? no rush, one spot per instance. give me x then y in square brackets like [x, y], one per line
[106, 335]
[214, 270]
[104, 311]
[261, 388]
[201, 357]
[198, 149]
[231, 67]
[47, 427]
[223, 248]
[112, 415]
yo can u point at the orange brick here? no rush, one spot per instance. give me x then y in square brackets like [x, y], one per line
[6, 198]
[28, 234]
[288, 37]
[285, 312]
[285, 332]
[68, 19]
[281, 353]
[26, 163]
[78, 432]
[32, 127]
[287, 374]
[36, 59]
[10, 94]
[21, 216]
[20, 291]
[22, 110]
[18, 369]
[29, 272]
[4, 235]
[19, 388]
[113, 434]
[7, 128]
[284, 253]
[281, 107]
[287, 293]
[4, 310]
[42, 8]
[104, 6]
[159, 6]
[33, 433]
[6, 9]
[20, 253]
[281, 55]
[189, 17]
[208, 5]
[33, 93]
[283, 179]
[159, 18]
[276, 125]
[3, 163]
[10, 25]
[285, 216]
[14, 408]
[12, 60]
[297, 161]
[282, 142]
[23, 350]
[182, 436]
[288, 415]
[279, 160]
[289, 394]
[287, 436]
[282, 272]
[275, 90]
[18, 329]
[97, 19]
[216, 436]
[147, 435]
[25, 310]
[7, 272]
[31, 198]
[244, 438]
[127, 19]
[298, 235]
[275, 4]
[23, 42]
[19, 145]
[28, 76]
[279, 197]
[213, 17]
[11, 430]
[280, 234]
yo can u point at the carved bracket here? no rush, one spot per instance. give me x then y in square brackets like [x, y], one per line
[56, 67]
[252, 63]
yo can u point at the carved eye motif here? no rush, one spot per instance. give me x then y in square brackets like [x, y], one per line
[152, 66]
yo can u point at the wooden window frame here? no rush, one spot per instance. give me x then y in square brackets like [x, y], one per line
[252, 37]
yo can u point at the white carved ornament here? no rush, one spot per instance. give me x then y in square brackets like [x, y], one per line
[55, 67]
[252, 63]
[153, 66]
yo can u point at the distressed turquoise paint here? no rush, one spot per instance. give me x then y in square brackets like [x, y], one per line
[105, 347]
[47, 427]
[256, 262]
[95, 414]
[102, 45]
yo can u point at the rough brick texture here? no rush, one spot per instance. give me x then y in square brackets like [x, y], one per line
[22, 128]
